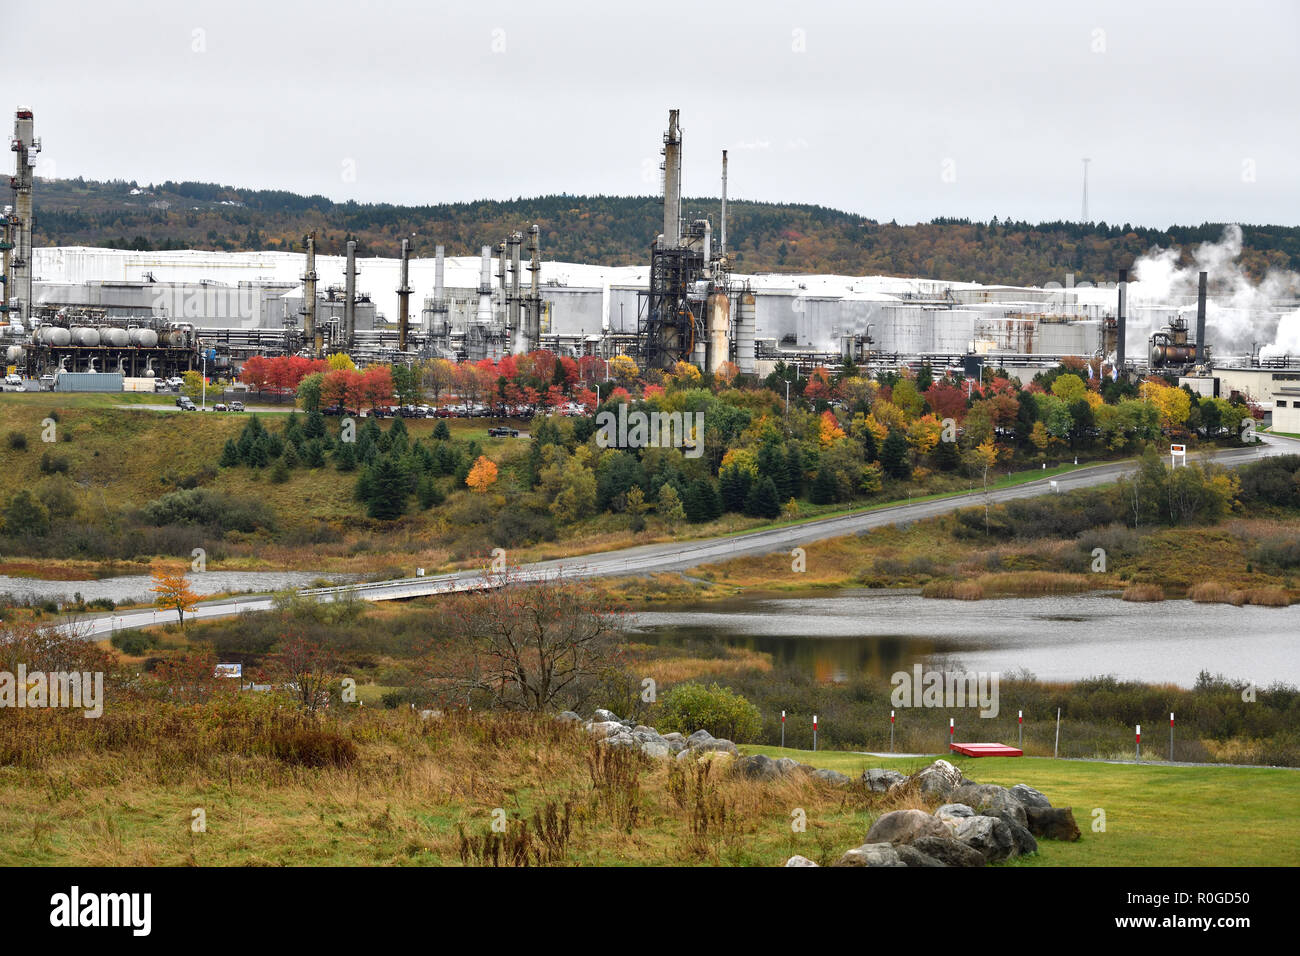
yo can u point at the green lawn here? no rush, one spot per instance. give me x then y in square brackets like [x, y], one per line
[1154, 815]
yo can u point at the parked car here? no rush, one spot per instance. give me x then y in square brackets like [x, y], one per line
[503, 433]
[13, 379]
[236, 406]
[182, 401]
[219, 407]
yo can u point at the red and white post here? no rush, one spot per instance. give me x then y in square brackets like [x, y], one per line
[1171, 736]
[1020, 720]
[783, 730]
[891, 731]
[814, 732]
[952, 729]
[1139, 743]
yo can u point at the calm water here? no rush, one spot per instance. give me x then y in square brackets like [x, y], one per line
[1056, 638]
[135, 587]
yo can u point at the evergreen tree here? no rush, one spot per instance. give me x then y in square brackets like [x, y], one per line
[427, 493]
[894, 456]
[230, 454]
[259, 453]
[824, 487]
[735, 484]
[314, 426]
[701, 502]
[279, 472]
[441, 432]
[399, 438]
[946, 455]
[345, 457]
[290, 455]
[762, 501]
[869, 450]
[314, 454]
[793, 486]
[388, 490]
[772, 464]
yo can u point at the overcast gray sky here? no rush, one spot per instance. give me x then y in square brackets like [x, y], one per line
[899, 110]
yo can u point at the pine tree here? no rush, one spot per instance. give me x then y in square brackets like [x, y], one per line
[869, 450]
[762, 501]
[280, 472]
[893, 456]
[388, 490]
[427, 493]
[290, 455]
[314, 427]
[230, 454]
[734, 484]
[946, 456]
[345, 457]
[441, 432]
[793, 486]
[670, 505]
[702, 502]
[824, 487]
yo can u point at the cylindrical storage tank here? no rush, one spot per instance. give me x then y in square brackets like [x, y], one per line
[177, 339]
[55, 335]
[115, 337]
[719, 319]
[13, 354]
[85, 336]
[144, 338]
[746, 316]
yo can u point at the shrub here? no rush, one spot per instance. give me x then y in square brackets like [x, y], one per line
[17, 441]
[1144, 592]
[134, 643]
[54, 464]
[199, 506]
[689, 707]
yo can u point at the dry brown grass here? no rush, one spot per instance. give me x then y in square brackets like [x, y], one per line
[953, 590]
[1268, 597]
[1030, 583]
[1144, 592]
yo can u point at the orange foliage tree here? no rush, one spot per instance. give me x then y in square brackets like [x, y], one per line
[482, 475]
[173, 590]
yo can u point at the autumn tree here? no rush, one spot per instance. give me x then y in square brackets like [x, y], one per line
[173, 590]
[306, 669]
[482, 475]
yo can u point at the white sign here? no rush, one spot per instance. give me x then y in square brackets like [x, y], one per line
[1176, 452]
[229, 670]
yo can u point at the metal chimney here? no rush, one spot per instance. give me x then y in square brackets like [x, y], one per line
[350, 294]
[722, 237]
[25, 147]
[1120, 319]
[484, 315]
[1200, 318]
[535, 295]
[672, 183]
[404, 297]
[513, 300]
[310, 334]
[438, 283]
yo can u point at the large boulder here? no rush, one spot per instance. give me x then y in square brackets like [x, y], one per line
[605, 716]
[1023, 839]
[720, 759]
[948, 851]
[797, 860]
[605, 728]
[1029, 797]
[758, 767]
[720, 744]
[1052, 823]
[939, 779]
[697, 738]
[951, 814]
[990, 799]
[789, 765]
[911, 856]
[879, 781]
[991, 837]
[905, 826]
[871, 854]
[656, 749]
[833, 777]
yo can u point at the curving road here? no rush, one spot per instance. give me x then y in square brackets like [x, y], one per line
[681, 555]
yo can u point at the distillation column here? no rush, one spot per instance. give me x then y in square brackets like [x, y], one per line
[350, 295]
[25, 147]
[404, 297]
[310, 334]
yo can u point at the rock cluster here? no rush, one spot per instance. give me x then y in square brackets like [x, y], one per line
[977, 824]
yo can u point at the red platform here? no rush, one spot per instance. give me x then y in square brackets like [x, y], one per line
[986, 750]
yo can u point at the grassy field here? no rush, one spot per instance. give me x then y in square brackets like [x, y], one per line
[1154, 815]
[424, 793]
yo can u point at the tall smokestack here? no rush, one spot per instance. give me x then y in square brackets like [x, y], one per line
[1200, 318]
[535, 294]
[484, 315]
[514, 241]
[310, 334]
[722, 238]
[672, 183]
[438, 282]
[25, 147]
[1120, 329]
[350, 294]
[404, 297]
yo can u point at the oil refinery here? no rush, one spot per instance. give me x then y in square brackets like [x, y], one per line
[73, 310]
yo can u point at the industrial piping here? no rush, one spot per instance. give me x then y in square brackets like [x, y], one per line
[535, 294]
[350, 294]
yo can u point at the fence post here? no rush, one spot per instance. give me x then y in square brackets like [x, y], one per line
[1020, 720]
[783, 730]
[891, 731]
[952, 729]
[1056, 747]
[814, 733]
[1139, 743]
[1171, 736]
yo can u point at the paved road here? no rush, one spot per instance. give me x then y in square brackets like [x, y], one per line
[681, 555]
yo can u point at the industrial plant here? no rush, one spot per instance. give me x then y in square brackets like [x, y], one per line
[71, 311]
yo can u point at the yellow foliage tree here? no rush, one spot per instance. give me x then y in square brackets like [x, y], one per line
[1173, 404]
[726, 373]
[623, 369]
[686, 374]
[341, 360]
[482, 475]
[1038, 436]
[924, 433]
[173, 590]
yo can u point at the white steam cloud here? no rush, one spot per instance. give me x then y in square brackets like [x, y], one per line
[1239, 312]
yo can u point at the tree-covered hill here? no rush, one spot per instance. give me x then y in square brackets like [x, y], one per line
[617, 230]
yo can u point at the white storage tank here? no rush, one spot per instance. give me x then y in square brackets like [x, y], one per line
[85, 336]
[115, 337]
[143, 338]
[54, 335]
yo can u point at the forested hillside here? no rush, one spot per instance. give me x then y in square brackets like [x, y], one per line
[617, 230]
